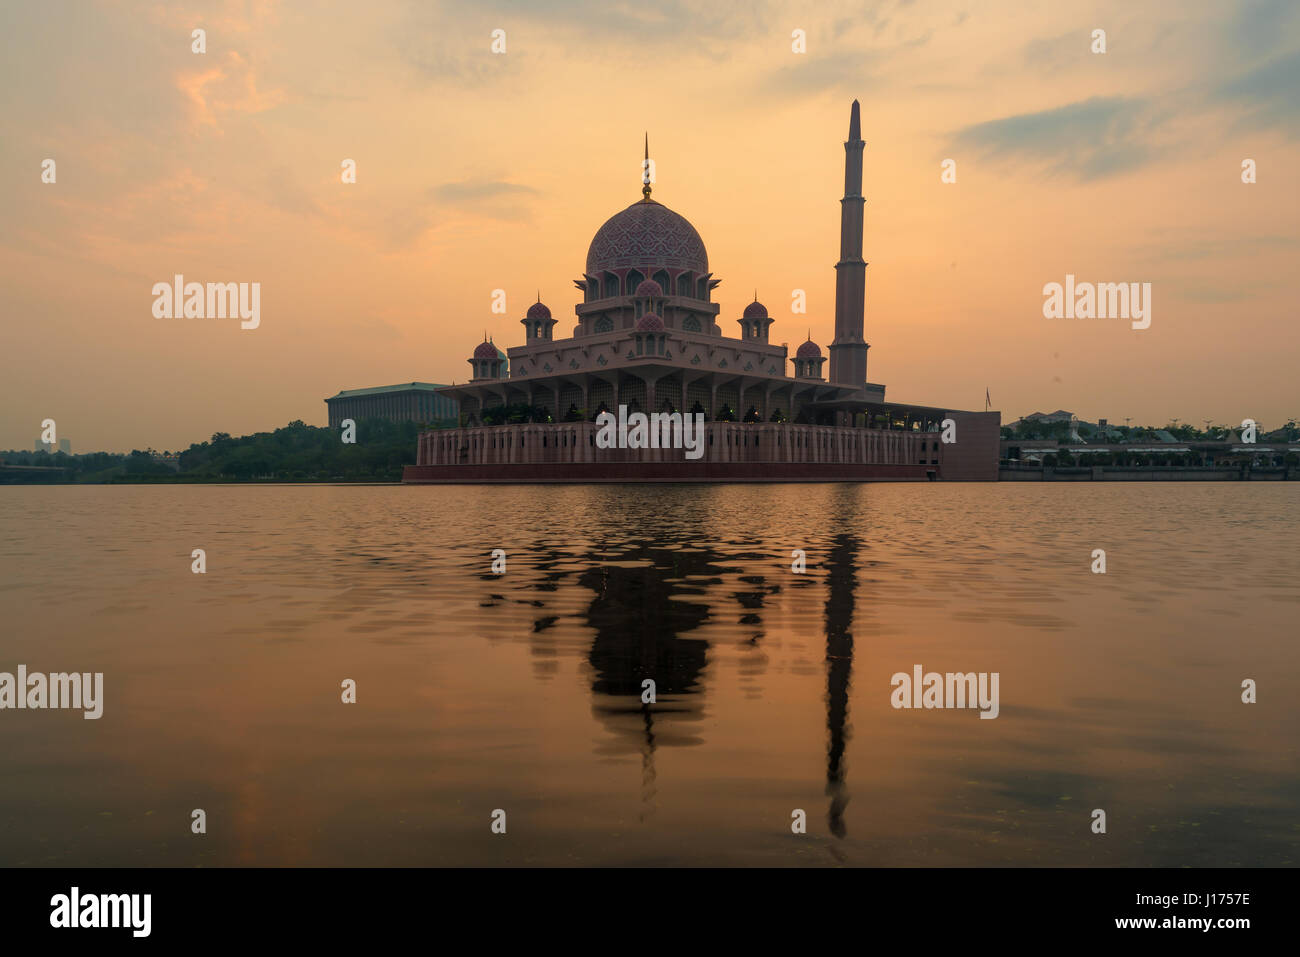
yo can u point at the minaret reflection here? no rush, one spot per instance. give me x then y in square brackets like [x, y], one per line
[840, 582]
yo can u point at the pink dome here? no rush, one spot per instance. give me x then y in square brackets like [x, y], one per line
[485, 350]
[648, 287]
[538, 310]
[649, 323]
[756, 310]
[809, 350]
[646, 236]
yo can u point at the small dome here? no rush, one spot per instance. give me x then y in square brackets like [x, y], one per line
[756, 310]
[538, 310]
[485, 350]
[649, 323]
[809, 350]
[648, 287]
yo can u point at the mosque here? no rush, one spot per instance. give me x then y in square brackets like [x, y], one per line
[648, 340]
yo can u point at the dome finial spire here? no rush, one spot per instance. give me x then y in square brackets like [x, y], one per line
[645, 170]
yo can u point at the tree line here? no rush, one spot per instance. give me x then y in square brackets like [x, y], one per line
[295, 453]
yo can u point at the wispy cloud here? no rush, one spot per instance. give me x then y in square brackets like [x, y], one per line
[489, 198]
[1176, 246]
[1259, 28]
[1267, 94]
[228, 88]
[847, 70]
[599, 28]
[1216, 293]
[474, 191]
[1091, 139]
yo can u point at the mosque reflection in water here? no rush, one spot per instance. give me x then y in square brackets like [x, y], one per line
[642, 615]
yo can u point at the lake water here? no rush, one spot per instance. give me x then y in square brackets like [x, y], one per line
[522, 691]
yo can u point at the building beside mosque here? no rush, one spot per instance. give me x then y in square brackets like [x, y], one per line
[649, 339]
[409, 402]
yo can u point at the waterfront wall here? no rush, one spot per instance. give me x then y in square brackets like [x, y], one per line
[724, 442]
[703, 471]
[1172, 473]
[731, 452]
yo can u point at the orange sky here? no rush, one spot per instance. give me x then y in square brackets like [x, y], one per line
[479, 171]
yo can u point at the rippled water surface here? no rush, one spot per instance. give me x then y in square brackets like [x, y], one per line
[522, 691]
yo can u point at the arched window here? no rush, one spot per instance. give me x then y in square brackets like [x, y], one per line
[701, 289]
[661, 277]
[690, 324]
[604, 324]
[633, 280]
[611, 285]
[684, 284]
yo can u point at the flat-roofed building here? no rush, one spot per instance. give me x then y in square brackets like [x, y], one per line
[408, 402]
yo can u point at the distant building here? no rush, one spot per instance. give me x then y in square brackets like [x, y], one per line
[65, 446]
[42, 446]
[1060, 415]
[408, 402]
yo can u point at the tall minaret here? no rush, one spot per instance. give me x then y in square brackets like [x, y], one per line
[849, 350]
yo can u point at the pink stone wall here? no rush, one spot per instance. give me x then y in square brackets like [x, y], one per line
[972, 458]
[702, 471]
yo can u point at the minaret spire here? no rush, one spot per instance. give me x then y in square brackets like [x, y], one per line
[645, 171]
[849, 349]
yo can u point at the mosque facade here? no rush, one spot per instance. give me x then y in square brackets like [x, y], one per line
[649, 339]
